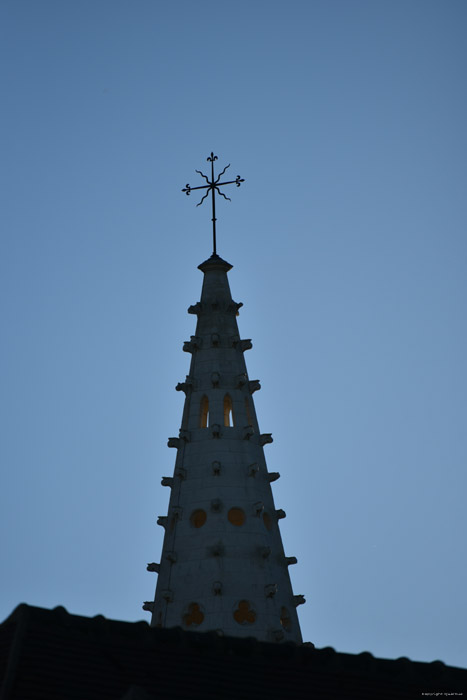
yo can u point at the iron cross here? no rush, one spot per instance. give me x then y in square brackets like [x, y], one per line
[213, 186]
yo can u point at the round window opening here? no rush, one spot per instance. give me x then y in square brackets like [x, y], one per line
[198, 518]
[236, 516]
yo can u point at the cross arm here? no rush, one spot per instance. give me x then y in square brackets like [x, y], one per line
[237, 182]
[188, 188]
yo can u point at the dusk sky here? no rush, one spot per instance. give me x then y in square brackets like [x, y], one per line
[347, 119]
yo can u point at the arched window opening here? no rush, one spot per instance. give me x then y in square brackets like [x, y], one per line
[204, 413]
[228, 412]
[248, 412]
[286, 622]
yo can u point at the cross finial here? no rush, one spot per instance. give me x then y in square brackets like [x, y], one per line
[213, 187]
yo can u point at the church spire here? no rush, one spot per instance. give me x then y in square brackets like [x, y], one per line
[223, 565]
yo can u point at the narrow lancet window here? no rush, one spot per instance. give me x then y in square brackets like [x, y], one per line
[248, 412]
[204, 412]
[228, 412]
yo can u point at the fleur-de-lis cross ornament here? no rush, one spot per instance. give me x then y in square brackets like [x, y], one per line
[213, 187]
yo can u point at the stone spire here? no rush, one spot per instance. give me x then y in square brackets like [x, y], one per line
[223, 565]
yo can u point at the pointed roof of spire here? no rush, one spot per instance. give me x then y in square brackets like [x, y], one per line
[215, 262]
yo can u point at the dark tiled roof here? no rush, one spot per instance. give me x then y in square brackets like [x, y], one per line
[52, 655]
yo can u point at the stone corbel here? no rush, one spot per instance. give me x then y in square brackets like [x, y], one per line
[177, 512]
[216, 430]
[248, 431]
[185, 386]
[217, 588]
[258, 508]
[167, 481]
[245, 344]
[254, 385]
[148, 605]
[173, 442]
[270, 590]
[241, 380]
[195, 308]
[215, 339]
[193, 344]
[290, 560]
[265, 439]
[180, 473]
[280, 514]
[155, 568]
[234, 307]
[162, 520]
[273, 476]
[216, 468]
[216, 505]
[215, 378]
[299, 600]
[253, 469]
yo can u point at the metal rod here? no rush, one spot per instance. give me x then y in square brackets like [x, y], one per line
[213, 207]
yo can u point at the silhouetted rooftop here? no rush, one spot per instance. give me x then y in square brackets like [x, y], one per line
[51, 654]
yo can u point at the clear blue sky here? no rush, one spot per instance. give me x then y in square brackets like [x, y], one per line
[347, 119]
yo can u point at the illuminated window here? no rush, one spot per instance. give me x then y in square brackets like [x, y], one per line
[198, 518]
[194, 616]
[244, 614]
[204, 412]
[228, 412]
[236, 516]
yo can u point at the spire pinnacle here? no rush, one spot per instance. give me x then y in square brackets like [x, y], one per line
[213, 187]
